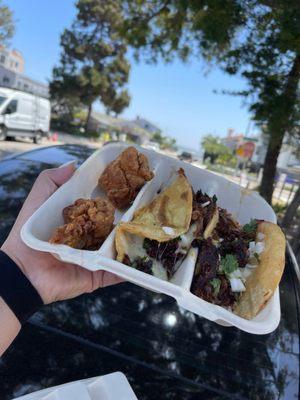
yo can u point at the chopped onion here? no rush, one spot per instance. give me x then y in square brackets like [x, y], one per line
[260, 236]
[237, 285]
[168, 230]
[205, 204]
[251, 266]
[259, 247]
[237, 274]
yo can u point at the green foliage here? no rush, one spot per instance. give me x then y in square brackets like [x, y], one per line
[216, 284]
[250, 227]
[93, 63]
[165, 142]
[213, 145]
[228, 160]
[7, 26]
[228, 264]
[259, 40]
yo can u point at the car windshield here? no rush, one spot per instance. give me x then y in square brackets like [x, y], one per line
[2, 99]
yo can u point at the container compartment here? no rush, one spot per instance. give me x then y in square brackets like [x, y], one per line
[243, 205]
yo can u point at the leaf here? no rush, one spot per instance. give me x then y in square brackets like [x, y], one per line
[228, 264]
[250, 227]
[256, 255]
[216, 284]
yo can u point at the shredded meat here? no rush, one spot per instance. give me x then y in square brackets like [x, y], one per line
[87, 224]
[207, 265]
[238, 247]
[123, 178]
[202, 215]
[167, 253]
[227, 227]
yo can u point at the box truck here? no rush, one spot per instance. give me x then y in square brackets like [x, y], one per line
[23, 114]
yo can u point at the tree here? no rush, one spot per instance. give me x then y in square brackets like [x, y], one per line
[93, 63]
[165, 142]
[257, 39]
[214, 148]
[7, 26]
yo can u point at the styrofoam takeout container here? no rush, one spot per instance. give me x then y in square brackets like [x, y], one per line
[242, 203]
[107, 387]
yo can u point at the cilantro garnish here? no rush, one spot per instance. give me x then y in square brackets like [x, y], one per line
[250, 227]
[256, 255]
[228, 264]
[215, 283]
[214, 198]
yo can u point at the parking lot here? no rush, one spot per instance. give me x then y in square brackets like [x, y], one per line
[10, 147]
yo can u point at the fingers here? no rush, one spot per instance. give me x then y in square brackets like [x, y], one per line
[62, 174]
[45, 185]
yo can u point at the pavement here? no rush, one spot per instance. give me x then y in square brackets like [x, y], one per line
[20, 145]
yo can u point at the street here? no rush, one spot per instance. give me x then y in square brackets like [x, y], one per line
[11, 147]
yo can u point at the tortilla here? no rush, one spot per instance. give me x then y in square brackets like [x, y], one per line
[165, 218]
[265, 278]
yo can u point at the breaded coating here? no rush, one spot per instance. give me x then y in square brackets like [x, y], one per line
[87, 224]
[123, 178]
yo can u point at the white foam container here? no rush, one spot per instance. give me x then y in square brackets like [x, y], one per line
[107, 387]
[242, 203]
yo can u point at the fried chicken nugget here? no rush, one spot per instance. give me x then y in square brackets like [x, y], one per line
[123, 178]
[87, 224]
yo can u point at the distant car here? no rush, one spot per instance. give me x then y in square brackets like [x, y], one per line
[186, 156]
[23, 114]
[165, 351]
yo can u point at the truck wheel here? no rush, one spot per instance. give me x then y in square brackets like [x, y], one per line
[37, 138]
[3, 133]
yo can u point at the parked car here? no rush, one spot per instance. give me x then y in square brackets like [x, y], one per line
[186, 156]
[23, 114]
[166, 352]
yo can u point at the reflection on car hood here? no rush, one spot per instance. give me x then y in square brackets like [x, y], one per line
[165, 351]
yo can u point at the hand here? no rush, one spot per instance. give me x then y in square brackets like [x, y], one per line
[53, 279]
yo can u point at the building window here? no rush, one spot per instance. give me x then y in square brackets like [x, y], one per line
[16, 64]
[5, 79]
[2, 58]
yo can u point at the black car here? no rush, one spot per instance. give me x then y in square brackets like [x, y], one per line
[166, 352]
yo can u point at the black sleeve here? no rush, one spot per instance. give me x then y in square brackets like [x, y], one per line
[16, 290]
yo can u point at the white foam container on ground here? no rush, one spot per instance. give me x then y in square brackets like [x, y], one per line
[242, 203]
[107, 387]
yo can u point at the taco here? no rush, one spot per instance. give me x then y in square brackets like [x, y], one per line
[160, 234]
[239, 267]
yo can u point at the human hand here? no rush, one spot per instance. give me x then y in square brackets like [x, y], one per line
[53, 279]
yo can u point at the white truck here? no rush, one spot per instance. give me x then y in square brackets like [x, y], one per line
[23, 114]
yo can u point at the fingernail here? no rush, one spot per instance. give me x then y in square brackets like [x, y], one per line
[74, 162]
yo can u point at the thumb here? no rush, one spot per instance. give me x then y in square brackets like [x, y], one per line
[62, 174]
[46, 184]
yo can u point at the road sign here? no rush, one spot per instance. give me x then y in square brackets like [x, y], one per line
[245, 150]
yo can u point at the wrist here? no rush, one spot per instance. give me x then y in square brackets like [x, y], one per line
[16, 289]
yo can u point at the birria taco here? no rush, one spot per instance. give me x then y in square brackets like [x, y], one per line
[160, 234]
[239, 267]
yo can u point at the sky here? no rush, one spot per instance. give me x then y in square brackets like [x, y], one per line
[177, 97]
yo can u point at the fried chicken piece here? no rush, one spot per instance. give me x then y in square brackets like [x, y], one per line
[87, 224]
[123, 178]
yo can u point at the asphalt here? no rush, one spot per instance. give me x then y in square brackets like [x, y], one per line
[12, 147]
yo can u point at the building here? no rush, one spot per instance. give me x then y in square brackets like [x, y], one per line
[147, 125]
[11, 74]
[232, 140]
[287, 157]
[119, 128]
[11, 60]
